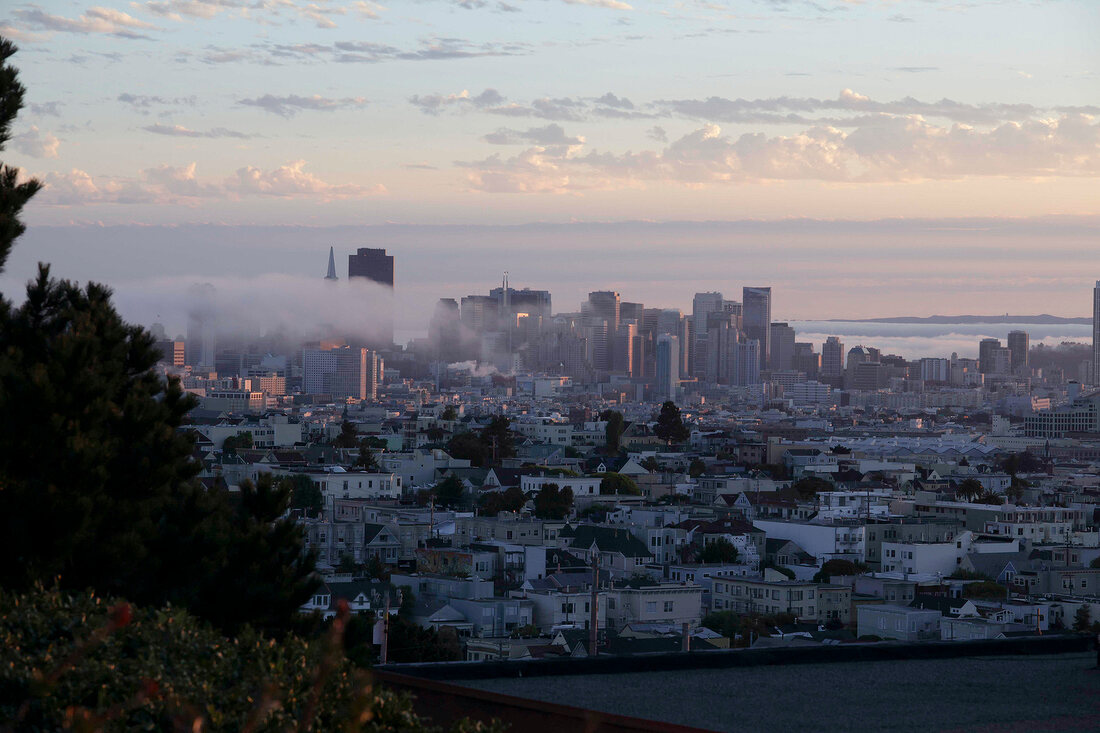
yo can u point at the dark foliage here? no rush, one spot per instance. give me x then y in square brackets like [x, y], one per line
[670, 426]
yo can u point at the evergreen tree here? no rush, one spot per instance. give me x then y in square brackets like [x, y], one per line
[613, 433]
[304, 494]
[367, 460]
[97, 484]
[497, 439]
[670, 426]
[13, 194]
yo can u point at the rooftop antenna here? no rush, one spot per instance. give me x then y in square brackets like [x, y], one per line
[331, 265]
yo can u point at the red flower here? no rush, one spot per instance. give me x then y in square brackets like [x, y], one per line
[121, 615]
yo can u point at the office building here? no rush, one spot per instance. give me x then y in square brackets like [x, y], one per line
[172, 352]
[373, 264]
[806, 360]
[702, 305]
[832, 358]
[757, 319]
[782, 347]
[746, 367]
[1018, 344]
[668, 366]
[345, 373]
[985, 355]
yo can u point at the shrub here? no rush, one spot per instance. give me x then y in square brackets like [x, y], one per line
[82, 661]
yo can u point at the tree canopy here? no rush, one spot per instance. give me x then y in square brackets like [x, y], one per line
[720, 550]
[618, 483]
[234, 443]
[553, 502]
[809, 486]
[613, 433]
[494, 502]
[304, 494]
[97, 483]
[670, 426]
[367, 460]
[450, 493]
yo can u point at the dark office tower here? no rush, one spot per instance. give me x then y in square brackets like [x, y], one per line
[604, 304]
[373, 264]
[632, 312]
[985, 355]
[602, 312]
[806, 360]
[331, 275]
[668, 367]
[782, 343]
[757, 306]
[1018, 343]
[832, 358]
[377, 266]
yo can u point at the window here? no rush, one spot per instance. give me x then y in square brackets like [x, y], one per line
[651, 606]
[669, 606]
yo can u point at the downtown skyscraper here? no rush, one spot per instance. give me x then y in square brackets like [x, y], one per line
[757, 318]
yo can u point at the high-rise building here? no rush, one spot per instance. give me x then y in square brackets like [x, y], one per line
[856, 355]
[632, 312]
[345, 373]
[531, 302]
[832, 358]
[1096, 335]
[331, 274]
[377, 266]
[782, 346]
[702, 305]
[172, 352]
[373, 264]
[722, 337]
[604, 304]
[985, 354]
[746, 367]
[935, 370]
[602, 313]
[622, 352]
[481, 313]
[668, 366]
[443, 331]
[1018, 344]
[757, 308]
[806, 360]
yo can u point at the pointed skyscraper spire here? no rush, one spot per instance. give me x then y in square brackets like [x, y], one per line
[331, 265]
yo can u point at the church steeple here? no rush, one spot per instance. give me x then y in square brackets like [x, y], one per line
[331, 265]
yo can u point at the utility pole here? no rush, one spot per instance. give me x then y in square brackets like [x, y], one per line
[594, 618]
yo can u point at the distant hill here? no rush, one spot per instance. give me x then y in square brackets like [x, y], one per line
[1042, 319]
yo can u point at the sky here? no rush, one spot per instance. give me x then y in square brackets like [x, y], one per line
[865, 157]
